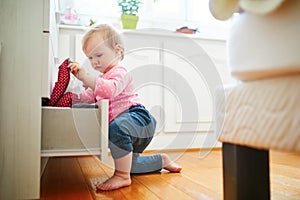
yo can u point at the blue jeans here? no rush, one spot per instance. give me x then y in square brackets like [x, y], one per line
[132, 131]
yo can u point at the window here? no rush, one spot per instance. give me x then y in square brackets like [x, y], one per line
[166, 14]
[163, 9]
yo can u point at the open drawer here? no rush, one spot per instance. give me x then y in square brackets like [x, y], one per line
[75, 131]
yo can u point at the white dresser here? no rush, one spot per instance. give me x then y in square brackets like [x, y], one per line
[27, 50]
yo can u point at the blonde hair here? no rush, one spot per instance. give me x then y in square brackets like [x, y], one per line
[109, 34]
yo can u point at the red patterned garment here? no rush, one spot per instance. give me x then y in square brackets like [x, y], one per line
[65, 100]
[58, 96]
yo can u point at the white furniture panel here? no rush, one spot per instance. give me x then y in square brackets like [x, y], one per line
[75, 131]
[192, 72]
[22, 74]
[188, 103]
[217, 51]
[50, 46]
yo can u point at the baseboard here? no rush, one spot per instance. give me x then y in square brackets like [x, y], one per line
[70, 152]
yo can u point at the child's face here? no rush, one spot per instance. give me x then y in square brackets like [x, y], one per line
[101, 56]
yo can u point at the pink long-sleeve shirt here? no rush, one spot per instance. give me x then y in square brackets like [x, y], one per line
[115, 85]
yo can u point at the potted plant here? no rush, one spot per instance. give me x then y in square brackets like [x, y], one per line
[130, 9]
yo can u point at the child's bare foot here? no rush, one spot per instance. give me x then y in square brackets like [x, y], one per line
[118, 180]
[168, 164]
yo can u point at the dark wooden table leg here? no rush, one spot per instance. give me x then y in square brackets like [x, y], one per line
[245, 173]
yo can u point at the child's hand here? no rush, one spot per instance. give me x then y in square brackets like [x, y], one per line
[80, 73]
[76, 70]
[74, 67]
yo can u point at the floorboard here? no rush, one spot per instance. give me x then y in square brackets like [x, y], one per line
[201, 178]
[63, 179]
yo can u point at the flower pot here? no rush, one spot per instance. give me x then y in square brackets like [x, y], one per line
[129, 21]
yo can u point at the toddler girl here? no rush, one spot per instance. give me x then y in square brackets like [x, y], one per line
[131, 126]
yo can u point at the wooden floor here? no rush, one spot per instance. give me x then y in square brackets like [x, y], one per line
[201, 178]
